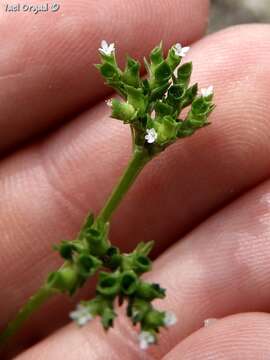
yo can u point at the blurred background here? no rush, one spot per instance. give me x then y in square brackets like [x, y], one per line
[230, 12]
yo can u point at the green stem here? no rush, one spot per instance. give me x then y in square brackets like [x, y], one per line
[32, 304]
[136, 164]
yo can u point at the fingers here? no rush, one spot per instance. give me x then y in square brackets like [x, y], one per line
[47, 188]
[220, 268]
[46, 70]
[243, 336]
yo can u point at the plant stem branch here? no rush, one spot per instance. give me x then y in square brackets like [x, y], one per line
[136, 164]
[31, 305]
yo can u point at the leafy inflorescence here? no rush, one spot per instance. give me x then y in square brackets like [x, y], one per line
[152, 107]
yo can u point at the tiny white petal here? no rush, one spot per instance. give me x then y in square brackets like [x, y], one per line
[106, 49]
[109, 102]
[81, 315]
[205, 92]
[146, 339]
[181, 51]
[151, 135]
[209, 321]
[170, 318]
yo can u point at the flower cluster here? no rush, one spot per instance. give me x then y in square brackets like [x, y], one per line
[120, 279]
[152, 106]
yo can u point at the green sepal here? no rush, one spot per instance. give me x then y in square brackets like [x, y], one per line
[141, 263]
[156, 56]
[184, 74]
[137, 309]
[129, 282]
[108, 284]
[175, 93]
[107, 318]
[158, 92]
[131, 75]
[136, 98]
[66, 249]
[112, 258]
[162, 109]
[64, 280]
[153, 320]
[123, 111]
[162, 73]
[87, 265]
[144, 248]
[108, 71]
[166, 129]
[190, 95]
[150, 292]
[172, 59]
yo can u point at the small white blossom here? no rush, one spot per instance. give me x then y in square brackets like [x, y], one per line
[81, 315]
[109, 102]
[205, 92]
[146, 339]
[151, 135]
[181, 51]
[106, 49]
[169, 318]
[209, 322]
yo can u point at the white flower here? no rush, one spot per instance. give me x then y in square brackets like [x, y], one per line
[106, 49]
[151, 135]
[209, 322]
[109, 102]
[205, 92]
[81, 315]
[146, 339]
[181, 51]
[169, 318]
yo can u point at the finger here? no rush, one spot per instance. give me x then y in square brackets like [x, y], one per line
[80, 163]
[46, 61]
[217, 270]
[242, 336]
[221, 268]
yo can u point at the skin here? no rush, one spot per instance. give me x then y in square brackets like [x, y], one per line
[206, 200]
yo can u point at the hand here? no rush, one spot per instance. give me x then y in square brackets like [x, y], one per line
[218, 268]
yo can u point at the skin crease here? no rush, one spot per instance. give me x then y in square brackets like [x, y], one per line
[222, 265]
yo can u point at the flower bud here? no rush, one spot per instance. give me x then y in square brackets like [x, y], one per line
[65, 279]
